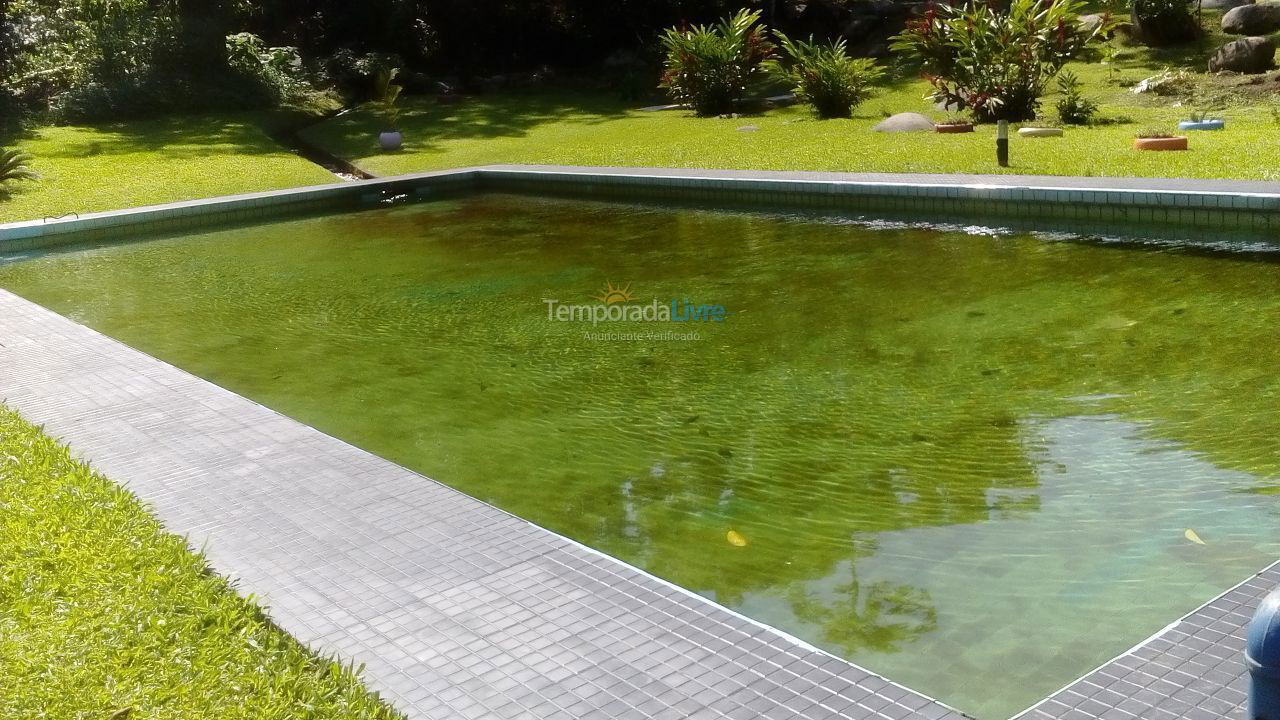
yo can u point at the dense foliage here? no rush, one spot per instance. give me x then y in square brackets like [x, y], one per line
[824, 75]
[993, 59]
[1165, 22]
[92, 59]
[86, 59]
[710, 67]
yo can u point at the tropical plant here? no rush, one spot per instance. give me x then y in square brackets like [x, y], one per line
[825, 76]
[275, 72]
[1073, 107]
[13, 166]
[996, 60]
[386, 94]
[1111, 58]
[710, 67]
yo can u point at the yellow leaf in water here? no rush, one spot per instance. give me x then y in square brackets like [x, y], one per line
[735, 538]
[1193, 537]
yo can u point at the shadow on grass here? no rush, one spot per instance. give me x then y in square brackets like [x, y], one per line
[429, 121]
[177, 137]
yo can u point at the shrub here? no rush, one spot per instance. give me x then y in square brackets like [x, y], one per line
[273, 73]
[1165, 22]
[356, 75]
[1073, 107]
[13, 166]
[824, 76]
[710, 67]
[386, 93]
[996, 62]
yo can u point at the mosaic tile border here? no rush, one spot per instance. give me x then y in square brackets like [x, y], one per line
[1206, 207]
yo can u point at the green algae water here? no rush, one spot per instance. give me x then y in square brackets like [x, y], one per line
[966, 460]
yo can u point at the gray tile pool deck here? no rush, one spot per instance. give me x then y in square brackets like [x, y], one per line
[460, 610]
[1193, 669]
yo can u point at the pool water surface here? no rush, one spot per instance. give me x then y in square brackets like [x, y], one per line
[979, 463]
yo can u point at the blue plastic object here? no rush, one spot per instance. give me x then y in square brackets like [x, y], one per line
[1202, 125]
[1262, 656]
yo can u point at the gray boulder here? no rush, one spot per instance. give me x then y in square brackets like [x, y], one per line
[905, 122]
[1247, 55]
[1224, 5]
[1257, 19]
[1091, 22]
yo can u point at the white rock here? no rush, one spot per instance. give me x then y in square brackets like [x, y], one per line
[905, 122]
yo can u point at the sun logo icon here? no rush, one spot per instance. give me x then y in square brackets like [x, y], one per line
[610, 294]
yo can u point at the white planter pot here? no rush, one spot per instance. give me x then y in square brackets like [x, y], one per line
[391, 140]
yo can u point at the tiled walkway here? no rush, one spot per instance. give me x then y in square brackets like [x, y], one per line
[1193, 670]
[457, 609]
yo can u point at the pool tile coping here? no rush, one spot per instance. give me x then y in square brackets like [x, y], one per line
[455, 608]
[1246, 205]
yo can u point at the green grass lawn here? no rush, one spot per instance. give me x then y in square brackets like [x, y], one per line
[578, 129]
[107, 167]
[101, 610]
[144, 162]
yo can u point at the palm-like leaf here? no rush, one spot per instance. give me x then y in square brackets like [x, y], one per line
[13, 166]
[710, 66]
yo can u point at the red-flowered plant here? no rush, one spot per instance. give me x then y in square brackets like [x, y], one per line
[710, 67]
[995, 61]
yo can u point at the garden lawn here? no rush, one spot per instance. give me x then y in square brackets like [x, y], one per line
[582, 129]
[127, 164]
[103, 612]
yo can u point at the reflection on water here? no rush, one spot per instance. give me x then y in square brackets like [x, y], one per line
[964, 460]
[1088, 552]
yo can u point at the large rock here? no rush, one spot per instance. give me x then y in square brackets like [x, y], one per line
[1224, 4]
[905, 122]
[1091, 22]
[1257, 19]
[1247, 55]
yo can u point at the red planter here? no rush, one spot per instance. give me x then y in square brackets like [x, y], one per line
[1169, 143]
[961, 128]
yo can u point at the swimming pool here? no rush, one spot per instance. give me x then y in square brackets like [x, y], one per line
[965, 459]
